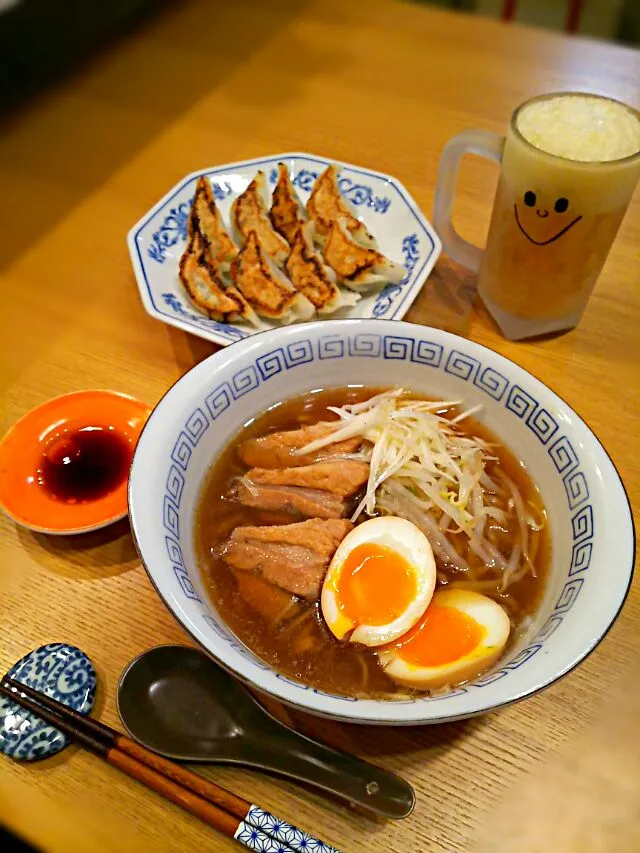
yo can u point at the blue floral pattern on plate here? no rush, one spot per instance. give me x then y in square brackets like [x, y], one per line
[411, 256]
[176, 305]
[172, 230]
[64, 673]
[358, 194]
[383, 204]
[174, 226]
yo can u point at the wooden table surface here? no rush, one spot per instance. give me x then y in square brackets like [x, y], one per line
[380, 83]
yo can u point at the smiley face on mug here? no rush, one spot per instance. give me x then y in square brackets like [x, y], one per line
[540, 223]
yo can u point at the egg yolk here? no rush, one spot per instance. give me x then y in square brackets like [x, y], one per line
[375, 585]
[443, 635]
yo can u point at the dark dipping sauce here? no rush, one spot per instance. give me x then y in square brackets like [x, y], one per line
[85, 464]
[300, 646]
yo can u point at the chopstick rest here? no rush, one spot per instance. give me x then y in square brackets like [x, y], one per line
[234, 816]
[55, 669]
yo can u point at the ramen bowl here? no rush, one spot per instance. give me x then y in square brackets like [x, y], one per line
[591, 527]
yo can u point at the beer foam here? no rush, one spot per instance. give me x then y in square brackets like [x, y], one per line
[581, 127]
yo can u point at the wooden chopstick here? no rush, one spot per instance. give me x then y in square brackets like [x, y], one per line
[215, 805]
[216, 794]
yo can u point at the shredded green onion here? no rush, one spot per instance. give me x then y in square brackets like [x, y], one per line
[424, 468]
[419, 448]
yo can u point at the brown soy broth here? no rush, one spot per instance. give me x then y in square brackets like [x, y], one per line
[302, 647]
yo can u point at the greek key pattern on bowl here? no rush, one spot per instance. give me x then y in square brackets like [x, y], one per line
[519, 403]
[159, 238]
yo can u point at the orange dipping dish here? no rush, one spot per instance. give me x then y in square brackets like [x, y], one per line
[64, 465]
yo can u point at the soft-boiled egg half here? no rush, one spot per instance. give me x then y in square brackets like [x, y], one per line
[379, 582]
[460, 635]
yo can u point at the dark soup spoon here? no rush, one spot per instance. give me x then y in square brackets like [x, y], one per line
[176, 701]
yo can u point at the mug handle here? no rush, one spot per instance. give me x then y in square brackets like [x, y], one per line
[482, 142]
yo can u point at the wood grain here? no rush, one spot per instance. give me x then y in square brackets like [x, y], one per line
[227, 800]
[176, 793]
[370, 81]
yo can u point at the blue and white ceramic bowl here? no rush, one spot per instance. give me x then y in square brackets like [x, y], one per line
[380, 201]
[591, 525]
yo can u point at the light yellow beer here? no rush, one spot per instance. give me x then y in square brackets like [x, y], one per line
[569, 168]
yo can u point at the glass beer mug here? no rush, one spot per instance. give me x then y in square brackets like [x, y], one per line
[569, 165]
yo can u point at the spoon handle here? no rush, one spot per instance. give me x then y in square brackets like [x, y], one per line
[298, 757]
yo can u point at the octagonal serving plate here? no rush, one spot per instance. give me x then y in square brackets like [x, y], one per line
[380, 201]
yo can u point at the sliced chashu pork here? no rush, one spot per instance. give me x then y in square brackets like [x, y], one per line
[292, 500]
[340, 477]
[276, 450]
[319, 490]
[294, 557]
[265, 598]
